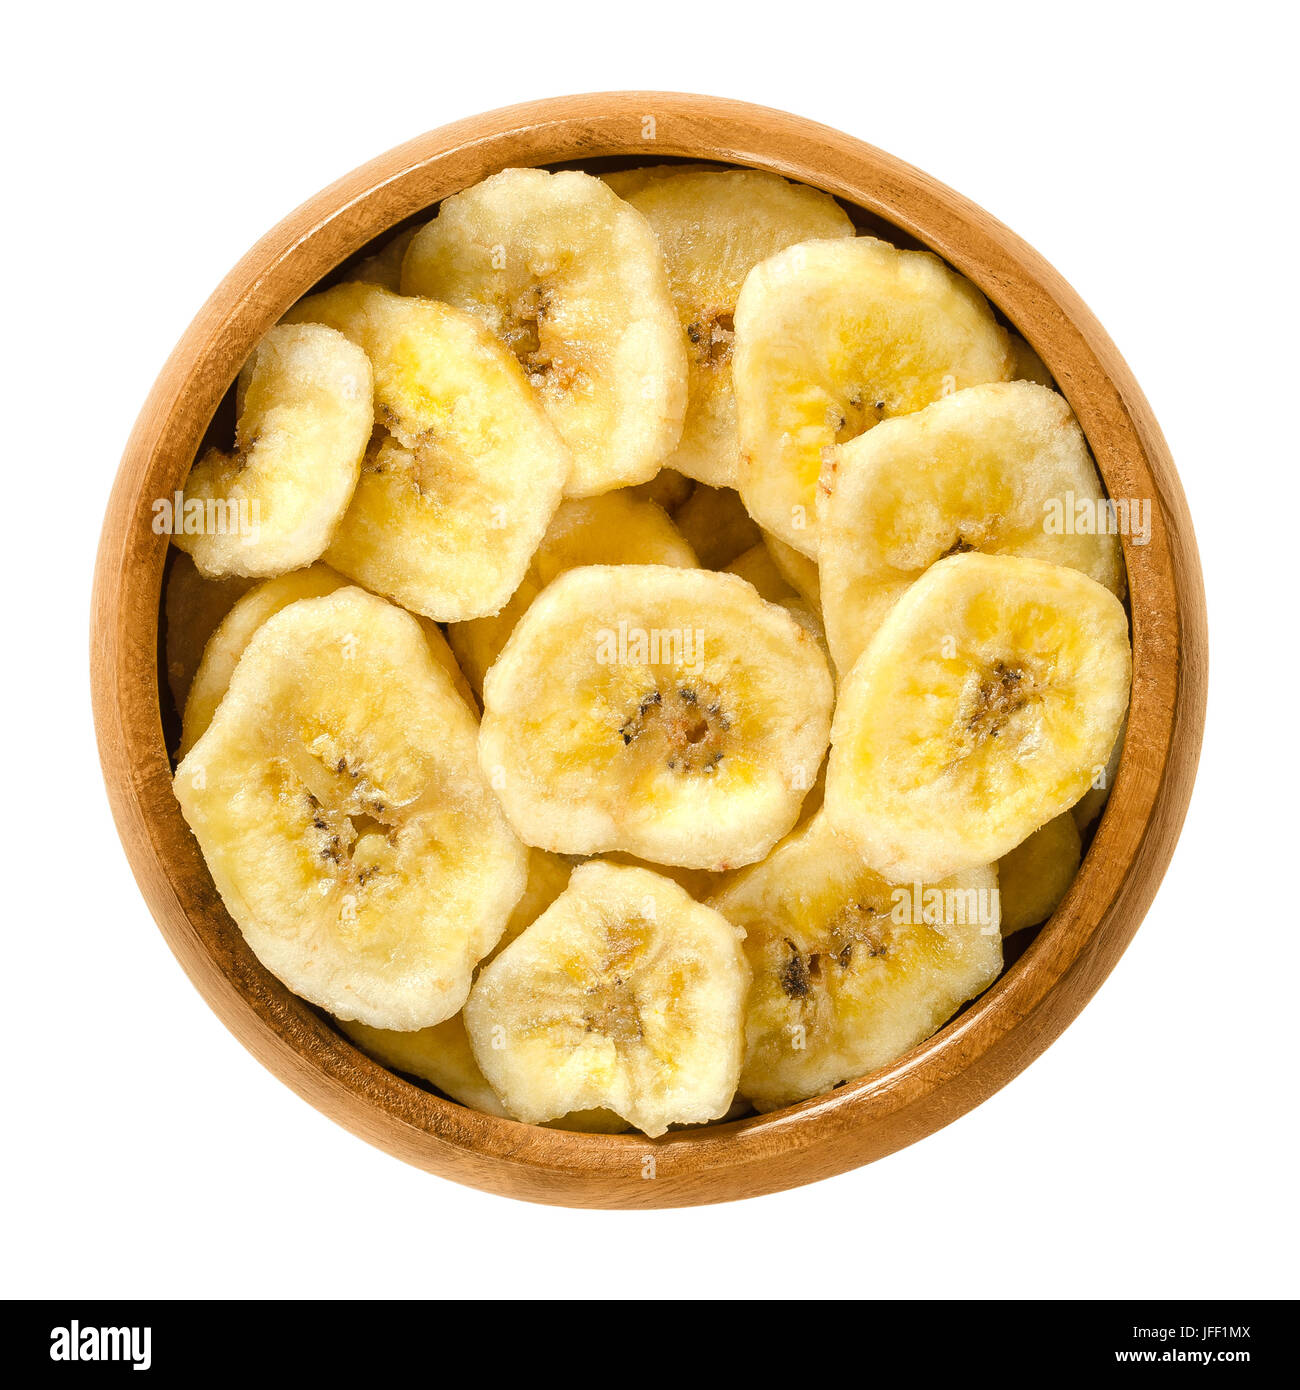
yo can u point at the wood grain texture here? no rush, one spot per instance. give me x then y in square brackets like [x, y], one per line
[938, 1081]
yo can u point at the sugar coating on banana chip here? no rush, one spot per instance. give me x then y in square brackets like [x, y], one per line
[850, 971]
[977, 470]
[977, 712]
[304, 418]
[569, 277]
[465, 471]
[713, 227]
[668, 713]
[625, 995]
[833, 337]
[337, 800]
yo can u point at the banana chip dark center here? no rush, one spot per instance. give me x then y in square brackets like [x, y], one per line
[685, 724]
[1002, 692]
[857, 929]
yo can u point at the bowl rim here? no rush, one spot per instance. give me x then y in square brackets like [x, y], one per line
[974, 1055]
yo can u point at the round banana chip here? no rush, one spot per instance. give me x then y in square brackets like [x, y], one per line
[616, 528]
[570, 278]
[713, 227]
[1034, 877]
[442, 1056]
[625, 995]
[699, 883]
[669, 713]
[226, 646]
[337, 800]
[850, 971]
[986, 698]
[832, 337]
[756, 566]
[985, 469]
[304, 419]
[548, 877]
[193, 608]
[798, 570]
[626, 182]
[1093, 802]
[439, 1054]
[459, 487]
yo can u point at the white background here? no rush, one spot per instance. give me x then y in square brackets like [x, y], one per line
[1147, 152]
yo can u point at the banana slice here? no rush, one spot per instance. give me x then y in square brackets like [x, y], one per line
[625, 995]
[797, 569]
[439, 1054]
[849, 970]
[1093, 802]
[986, 698]
[227, 644]
[626, 182]
[699, 883]
[756, 566]
[459, 487]
[339, 806]
[716, 525]
[1028, 365]
[667, 489]
[978, 470]
[613, 529]
[193, 608]
[442, 1055]
[304, 419]
[570, 278]
[1035, 876]
[384, 268]
[548, 877]
[832, 337]
[669, 713]
[713, 227]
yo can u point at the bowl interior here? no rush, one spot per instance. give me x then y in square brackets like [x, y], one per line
[220, 431]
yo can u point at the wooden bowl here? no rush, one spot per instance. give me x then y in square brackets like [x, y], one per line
[991, 1040]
